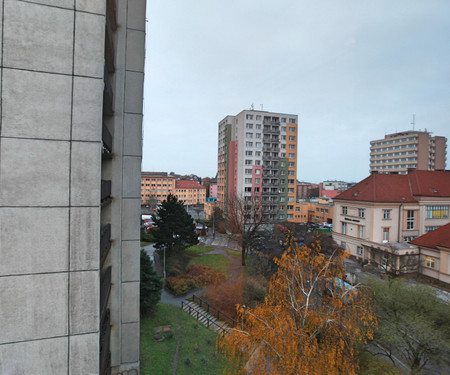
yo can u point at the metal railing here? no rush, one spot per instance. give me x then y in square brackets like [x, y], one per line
[213, 311]
[200, 315]
[106, 139]
[105, 191]
[105, 289]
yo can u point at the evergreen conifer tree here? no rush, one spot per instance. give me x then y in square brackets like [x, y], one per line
[150, 287]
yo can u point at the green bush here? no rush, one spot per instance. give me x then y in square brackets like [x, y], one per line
[150, 286]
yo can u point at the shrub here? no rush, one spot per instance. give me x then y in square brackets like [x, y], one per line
[254, 290]
[226, 296]
[150, 286]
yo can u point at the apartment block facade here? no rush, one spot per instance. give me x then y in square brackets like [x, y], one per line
[377, 218]
[72, 77]
[257, 160]
[398, 152]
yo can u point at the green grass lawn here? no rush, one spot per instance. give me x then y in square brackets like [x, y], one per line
[199, 249]
[143, 243]
[373, 365]
[197, 345]
[216, 261]
[234, 254]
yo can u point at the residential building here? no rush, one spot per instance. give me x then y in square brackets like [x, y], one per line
[257, 160]
[412, 149]
[377, 218]
[156, 186]
[330, 189]
[190, 192]
[434, 250]
[307, 190]
[313, 211]
[71, 93]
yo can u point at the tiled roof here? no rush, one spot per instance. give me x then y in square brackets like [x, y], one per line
[183, 184]
[438, 237]
[399, 188]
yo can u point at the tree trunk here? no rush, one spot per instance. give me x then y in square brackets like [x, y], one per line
[243, 255]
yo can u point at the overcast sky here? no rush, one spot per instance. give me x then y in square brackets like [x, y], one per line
[352, 71]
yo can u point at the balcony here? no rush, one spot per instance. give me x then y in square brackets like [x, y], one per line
[108, 95]
[105, 193]
[105, 354]
[106, 143]
[105, 289]
[105, 243]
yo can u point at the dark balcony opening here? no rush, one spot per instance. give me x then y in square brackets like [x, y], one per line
[105, 193]
[108, 95]
[105, 289]
[105, 353]
[105, 243]
[107, 142]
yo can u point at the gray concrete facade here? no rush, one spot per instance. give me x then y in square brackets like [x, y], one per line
[52, 80]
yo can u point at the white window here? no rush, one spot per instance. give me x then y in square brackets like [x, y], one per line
[430, 262]
[257, 153]
[292, 130]
[360, 231]
[248, 162]
[258, 144]
[292, 156]
[257, 181]
[257, 162]
[258, 117]
[281, 216]
[344, 210]
[290, 199]
[249, 144]
[385, 234]
[386, 214]
[291, 164]
[283, 119]
[290, 173]
[258, 135]
[292, 121]
[248, 135]
[258, 171]
[292, 137]
[249, 117]
[344, 228]
[291, 147]
[410, 220]
[248, 180]
[359, 250]
[248, 171]
[258, 126]
[248, 153]
[361, 212]
[290, 216]
[249, 126]
[281, 199]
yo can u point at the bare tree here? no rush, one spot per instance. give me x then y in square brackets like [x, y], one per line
[245, 219]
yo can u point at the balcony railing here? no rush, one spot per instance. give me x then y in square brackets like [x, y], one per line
[106, 142]
[108, 95]
[105, 289]
[105, 243]
[105, 191]
[105, 354]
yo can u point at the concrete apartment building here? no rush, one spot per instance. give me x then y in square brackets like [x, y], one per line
[377, 218]
[190, 192]
[72, 75]
[257, 160]
[399, 152]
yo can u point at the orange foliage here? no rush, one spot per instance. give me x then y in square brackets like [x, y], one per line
[300, 329]
[226, 296]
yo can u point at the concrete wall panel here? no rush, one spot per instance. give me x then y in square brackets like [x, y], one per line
[87, 109]
[89, 45]
[45, 163]
[135, 50]
[134, 83]
[131, 216]
[33, 307]
[85, 176]
[130, 261]
[84, 238]
[43, 245]
[136, 10]
[82, 360]
[34, 357]
[84, 302]
[92, 6]
[36, 105]
[130, 342]
[130, 302]
[68, 4]
[37, 37]
[132, 138]
[131, 185]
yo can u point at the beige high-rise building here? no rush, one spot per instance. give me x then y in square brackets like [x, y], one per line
[399, 152]
[72, 74]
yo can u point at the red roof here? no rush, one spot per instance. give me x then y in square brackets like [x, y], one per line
[185, 184]
[438, 237]
[399, 188]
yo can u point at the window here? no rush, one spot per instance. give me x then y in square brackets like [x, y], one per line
[257, 171]
[385, 234]
[386, 214]
[257, 180]
[430, 261]
[360, 231]
[249, 126]
[258, 144]
[258, 135]
[291, 147]
[248, 135]
[437, 212]
[361, 212]
[291, 181]
[249, 117]
[281, 199]
[248, 171]
[410, 220]
[291, 164]
[292, 137]
[290, 216]
[257, 153]
[290, 199]
[292, 156]
[344, 210]
[344, 245]
[431, 228]
[248, 153]
[283, 129]
[359, 250]
[258, 117]
[249, 144]
[290, 173]
[248, 180]
[292, 130]
[283, 146]
[282, 164]
[281, 216]
[409, 238]
[283, 119]
[290, 190]
[292, 121]
[257, 162]
[258, 126]
[248, 162]
[344, 228]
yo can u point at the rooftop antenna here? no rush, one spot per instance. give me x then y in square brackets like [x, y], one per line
[251, 107]
[262, 105]
[414, 121]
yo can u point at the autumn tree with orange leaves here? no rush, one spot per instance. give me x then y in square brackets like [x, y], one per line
[309, 322]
